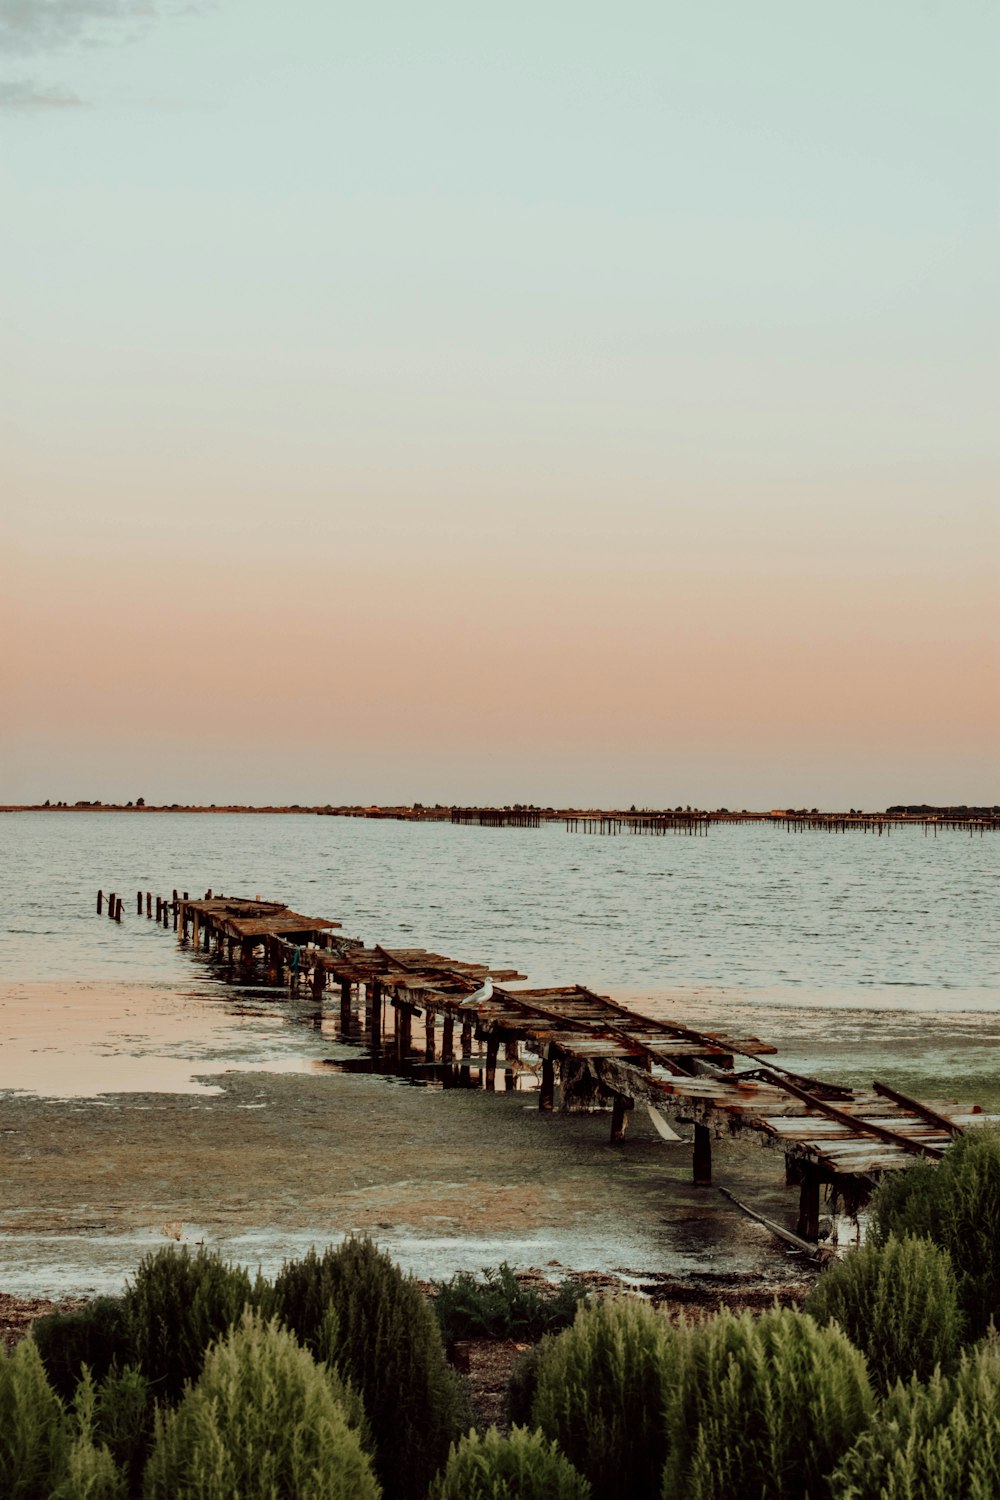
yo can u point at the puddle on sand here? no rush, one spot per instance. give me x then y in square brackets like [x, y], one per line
[78, 1040]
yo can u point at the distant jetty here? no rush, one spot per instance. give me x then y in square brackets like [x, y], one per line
[608, 821]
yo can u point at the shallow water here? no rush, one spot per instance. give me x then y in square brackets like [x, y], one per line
[857, 956]
[848, 951]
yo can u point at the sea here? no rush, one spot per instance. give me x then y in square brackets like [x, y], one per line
[851, 952]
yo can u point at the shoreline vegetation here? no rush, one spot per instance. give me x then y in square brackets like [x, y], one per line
[342, 1376]
[417, 812]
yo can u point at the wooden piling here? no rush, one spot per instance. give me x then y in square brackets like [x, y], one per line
[702, 1156]
[430, 1034]
[100, 903]
[149, 903]
[547, 1092]
[111, 906]
[619, 1117]
[318, 981]
[138, 903]
[345, 1006]
[808, 1225]
[492, 1048]
[448, 1039]
[374, 991]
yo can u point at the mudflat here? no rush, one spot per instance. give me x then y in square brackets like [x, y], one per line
[444, 1179]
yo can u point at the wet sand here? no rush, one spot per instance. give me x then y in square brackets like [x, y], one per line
[136, 1114]
[444, 1180]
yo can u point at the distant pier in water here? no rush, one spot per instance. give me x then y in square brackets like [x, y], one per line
[585, 1050]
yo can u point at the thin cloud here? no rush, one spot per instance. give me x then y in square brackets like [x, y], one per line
[22, 94]
[35, 28]
[30, 27]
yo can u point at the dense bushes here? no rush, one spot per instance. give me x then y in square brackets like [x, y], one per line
[603, 1391]
[938, 1441]
[385, 1339]
[496, 1305]
[524, 1466]
[898, 1303]
[956, 1204]
[177, 1304]
[97, 1335]
[768, 1406]
[262, 1420]
[34, 1442]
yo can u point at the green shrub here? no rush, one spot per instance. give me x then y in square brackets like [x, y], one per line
[303, 1294]
[123, 1421]
[524, 1466]
[177, 1305]
[768, 1406]
[96, 1335]
[34, 1440]
[91, 1472]
[523, 1383]
[602, 1393]
[497, 1306]
[385, 1340]
[262, 1420]
[898, 1304]
[956, 1204]
[937, 1441]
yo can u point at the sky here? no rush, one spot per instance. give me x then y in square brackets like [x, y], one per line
[575, 404]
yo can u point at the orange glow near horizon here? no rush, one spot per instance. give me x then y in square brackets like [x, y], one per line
[314, 683]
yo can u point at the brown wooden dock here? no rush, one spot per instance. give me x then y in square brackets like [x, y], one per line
[599, 1053]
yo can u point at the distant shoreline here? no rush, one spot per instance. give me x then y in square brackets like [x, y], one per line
[460, 812]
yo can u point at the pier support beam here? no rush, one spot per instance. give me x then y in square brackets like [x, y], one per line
[318, 982]
[404, 1032]
[702, 1156]
[620, 1110]
[430, 1034]
[448, 1039]
[547, 1092]
[345, 1006]
[808, 1225]
[492, 1048]
[375, 1023]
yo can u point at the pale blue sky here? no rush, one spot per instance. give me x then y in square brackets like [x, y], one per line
[619, 287]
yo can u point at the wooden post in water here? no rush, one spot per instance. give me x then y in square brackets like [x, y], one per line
[492, 1048]
[702, 1156]
[448, 1038]
[619, 1117]
[808, 1225]
[404, 1036]
[118, 909]
[138, 903]
[466, 1045]
[175, 910]
[100, 903]
[547, 1092]
[345, 1006]
[111, 906]
[430, 1034]
[374, 990]
[149, 903]
[318, 981]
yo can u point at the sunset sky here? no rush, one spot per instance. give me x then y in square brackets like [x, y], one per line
[558, 402]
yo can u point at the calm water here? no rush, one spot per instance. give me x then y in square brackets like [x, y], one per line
[857, 956]
[816, 918]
